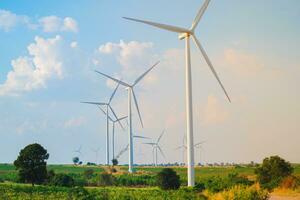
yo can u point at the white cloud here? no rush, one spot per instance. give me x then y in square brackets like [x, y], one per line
[9, 20]
[45, 61]
[213, 112]
[57, 24]
[74, 44]
[74, 122]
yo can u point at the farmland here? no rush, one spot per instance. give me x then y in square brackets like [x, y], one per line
[140, 187]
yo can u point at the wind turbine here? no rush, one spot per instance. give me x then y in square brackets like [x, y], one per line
[78, 151]
[155, 147]
[186, 34]
[107, 109]
[117, 120]
[131, 93]
[184, 147]
[96, 151]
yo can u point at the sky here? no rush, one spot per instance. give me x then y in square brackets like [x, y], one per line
[50, 49]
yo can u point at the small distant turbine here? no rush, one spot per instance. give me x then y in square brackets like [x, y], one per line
[131, 93]
[78, 151]
[186, 34]
[113, 130]
[96, 151]
[107, 109]
[155, 147]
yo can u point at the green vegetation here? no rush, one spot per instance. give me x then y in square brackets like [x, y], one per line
[272, 171]
[31, 164]
[167, 179]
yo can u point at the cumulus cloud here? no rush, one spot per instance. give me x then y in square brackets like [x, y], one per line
[243, 63]
[213, 112]
[10, 20]
[44, 62]
[74, 122]
[57, 24]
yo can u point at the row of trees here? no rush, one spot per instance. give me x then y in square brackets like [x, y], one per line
[32, 168]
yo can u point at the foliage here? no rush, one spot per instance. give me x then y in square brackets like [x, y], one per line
[168, 179]
[240, 192]
[199, 187]
[135, 180]
[13, 192]
[290, 182]
[106, 179]
[272, 171]
[88, 173]
[115, 162]
[63, 180]
[75, 160]
[31, 164]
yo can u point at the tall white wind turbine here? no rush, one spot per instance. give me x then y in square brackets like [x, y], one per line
[107, 109]
[186, 34]
[155, 147]
[113, 121]
[131, 93]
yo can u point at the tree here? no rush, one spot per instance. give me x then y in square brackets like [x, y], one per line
[272, 171]
[62, 180]
[31, 164]
[114, 162]
[168, 179]
[75, 160]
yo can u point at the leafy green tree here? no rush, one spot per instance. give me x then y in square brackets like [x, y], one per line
[272, 171]
[75, 160]
[31, 164]
[167, 179]
[114, 162]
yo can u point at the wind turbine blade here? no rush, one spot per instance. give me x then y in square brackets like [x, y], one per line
[141, 137]
[162, 153]
[149, 143]
[210, 65]
[160, 136]
[105, 114]
[199, 143]
[200, 14]
[180, 147]
[114, 79]
[120, 119]
[161, 26]
[113, 94]
[95, 103]
[144, 74]
[112, 110]
[137, 107]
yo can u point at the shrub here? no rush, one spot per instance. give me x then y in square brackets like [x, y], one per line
[114, 162]
[272, 171]
[135, 180]
[199, 187]
[88, 173]
[216, 184]
[290, 182]
[106, 179]
[243, 193]
[63, 180]
[235, 179]
[168, 179]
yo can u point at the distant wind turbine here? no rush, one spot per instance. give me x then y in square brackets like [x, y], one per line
[113, 121]
[131, 93]
[107, 109]
[155, 147]
[78, 151]
[186, 34]
[96, 151]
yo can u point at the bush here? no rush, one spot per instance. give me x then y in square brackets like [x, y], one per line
[135, 180]
[106, 179]
[272, 171]
[199, 187]
[243, 193]
[168, 179]
[235, 179]
[88, 174]
[216, 184]
[290, 182]
[63, 180]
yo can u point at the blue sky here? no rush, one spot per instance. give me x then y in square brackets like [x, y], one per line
[253, 44]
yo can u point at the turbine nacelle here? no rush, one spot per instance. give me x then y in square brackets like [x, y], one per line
[182, 36]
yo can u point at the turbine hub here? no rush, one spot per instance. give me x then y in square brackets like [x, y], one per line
[182, 36]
